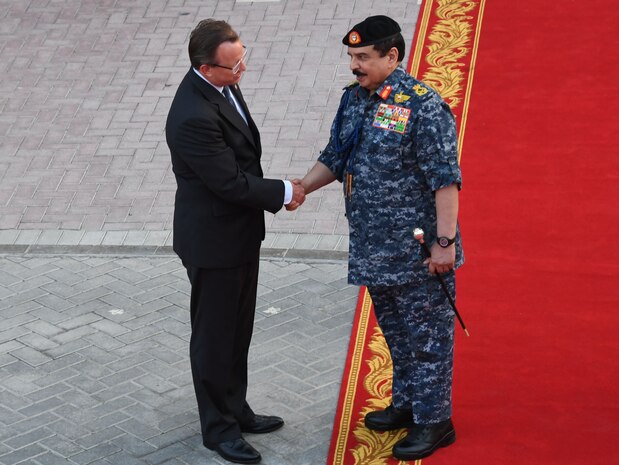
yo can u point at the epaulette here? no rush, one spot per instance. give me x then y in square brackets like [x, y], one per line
[420, 89]
[351, 84]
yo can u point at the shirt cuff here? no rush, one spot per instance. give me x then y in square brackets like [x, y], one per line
[288, 192]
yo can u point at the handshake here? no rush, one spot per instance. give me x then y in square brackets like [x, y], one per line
[320, 175]
[298, 195]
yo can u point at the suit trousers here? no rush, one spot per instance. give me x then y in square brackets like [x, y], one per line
[223, 305]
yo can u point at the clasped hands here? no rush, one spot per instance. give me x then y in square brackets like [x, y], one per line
[298, 195]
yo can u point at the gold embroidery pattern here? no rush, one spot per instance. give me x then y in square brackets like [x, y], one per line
[450, 42]
[374, 447]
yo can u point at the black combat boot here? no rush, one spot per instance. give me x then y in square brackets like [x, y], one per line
[388, 419]
[423, 440]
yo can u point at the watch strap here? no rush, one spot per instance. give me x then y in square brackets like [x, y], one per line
[445, 241]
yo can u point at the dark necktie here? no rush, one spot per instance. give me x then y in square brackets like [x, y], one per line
[228, 94]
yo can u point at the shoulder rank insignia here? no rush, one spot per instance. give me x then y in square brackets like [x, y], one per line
[420, 90]
[401, 97]
[351, 84]
[384, 94]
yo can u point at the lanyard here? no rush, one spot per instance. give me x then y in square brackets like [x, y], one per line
[349, 146]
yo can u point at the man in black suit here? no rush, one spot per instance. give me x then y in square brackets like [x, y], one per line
[218, 228]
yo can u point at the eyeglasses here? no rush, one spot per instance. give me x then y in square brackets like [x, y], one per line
[235, 69]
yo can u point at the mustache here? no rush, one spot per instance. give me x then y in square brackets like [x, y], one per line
[358, 73]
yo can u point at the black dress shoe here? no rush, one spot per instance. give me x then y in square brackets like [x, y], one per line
[261, 424]
[423, 440]
[237, 451]
[389, 419]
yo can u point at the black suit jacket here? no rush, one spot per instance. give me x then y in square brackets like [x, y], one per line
[221, 193]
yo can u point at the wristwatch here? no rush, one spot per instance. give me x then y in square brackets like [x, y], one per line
[445, 242]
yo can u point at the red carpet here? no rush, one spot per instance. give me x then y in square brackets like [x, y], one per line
[536, 381]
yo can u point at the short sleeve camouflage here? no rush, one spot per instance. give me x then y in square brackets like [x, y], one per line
[391, 150]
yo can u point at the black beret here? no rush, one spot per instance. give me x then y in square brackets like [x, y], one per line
[371, 30]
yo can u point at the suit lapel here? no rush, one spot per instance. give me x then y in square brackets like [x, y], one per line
[250, 121]
[227, 111]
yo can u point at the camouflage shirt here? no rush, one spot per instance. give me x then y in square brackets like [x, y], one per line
[400, 145]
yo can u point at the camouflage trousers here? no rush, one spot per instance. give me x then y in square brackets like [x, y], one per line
[418, 324]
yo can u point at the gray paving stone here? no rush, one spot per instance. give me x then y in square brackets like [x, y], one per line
[132, 446]
[31, 356]
[97, 452]
[99, 128]
[23, 440]
[104, 341]
[123, 388]
[21, 455]
[8, 236]
[50, 458]
[124, 458]
[83, 162]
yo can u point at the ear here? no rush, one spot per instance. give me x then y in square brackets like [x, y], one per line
[205, 70]
[393, 55]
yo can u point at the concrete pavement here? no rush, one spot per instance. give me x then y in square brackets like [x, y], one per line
[94, 359]
[93, 304]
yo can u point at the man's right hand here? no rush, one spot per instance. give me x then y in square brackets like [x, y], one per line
[298, 196]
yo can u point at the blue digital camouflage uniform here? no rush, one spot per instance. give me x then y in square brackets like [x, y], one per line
[399, 145]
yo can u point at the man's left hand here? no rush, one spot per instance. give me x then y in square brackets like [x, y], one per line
[442, 259]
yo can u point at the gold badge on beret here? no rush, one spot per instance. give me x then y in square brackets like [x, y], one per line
[354, 38]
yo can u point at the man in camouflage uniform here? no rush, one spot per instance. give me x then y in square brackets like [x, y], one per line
[393, 145]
